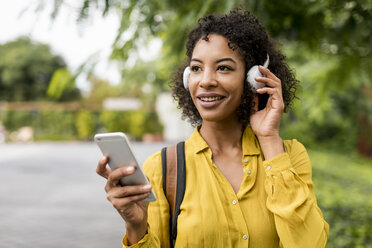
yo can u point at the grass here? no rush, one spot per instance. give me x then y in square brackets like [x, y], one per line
[343, 186]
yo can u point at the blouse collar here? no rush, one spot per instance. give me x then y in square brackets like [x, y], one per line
[250, 143]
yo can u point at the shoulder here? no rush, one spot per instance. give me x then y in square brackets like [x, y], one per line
[293, 147]
[152, 166]
[298, 155]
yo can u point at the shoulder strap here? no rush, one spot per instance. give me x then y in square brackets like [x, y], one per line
[174, 182]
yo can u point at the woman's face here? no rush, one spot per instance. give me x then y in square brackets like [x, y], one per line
[216, 79]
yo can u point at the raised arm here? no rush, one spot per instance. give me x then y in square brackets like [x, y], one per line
[289, 187]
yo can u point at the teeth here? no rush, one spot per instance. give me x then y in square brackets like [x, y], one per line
[210, 99]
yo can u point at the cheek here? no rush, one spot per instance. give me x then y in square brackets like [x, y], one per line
[238, 87]
[193, 81]
[192, 91]
[239, 91]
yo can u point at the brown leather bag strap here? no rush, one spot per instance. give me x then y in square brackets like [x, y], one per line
[174, 183]
[171, 179]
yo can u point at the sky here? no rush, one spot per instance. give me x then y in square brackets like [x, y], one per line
[75, 43]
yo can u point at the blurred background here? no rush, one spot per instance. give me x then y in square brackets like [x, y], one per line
[70, 69]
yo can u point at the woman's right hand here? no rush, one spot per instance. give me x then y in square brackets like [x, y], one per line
[126, 199]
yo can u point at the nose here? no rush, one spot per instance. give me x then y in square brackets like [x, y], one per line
[208, 79]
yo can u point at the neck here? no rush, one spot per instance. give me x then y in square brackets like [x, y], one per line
[223, 135]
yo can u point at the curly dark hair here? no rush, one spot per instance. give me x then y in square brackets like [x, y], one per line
[246, 35]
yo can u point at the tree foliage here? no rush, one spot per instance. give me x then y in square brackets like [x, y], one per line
[336, 26]
[26, 67]
[328, 42]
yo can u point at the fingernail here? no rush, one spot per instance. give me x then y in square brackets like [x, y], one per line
[147, 186]
[130, 169]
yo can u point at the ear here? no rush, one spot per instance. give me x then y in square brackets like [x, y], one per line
[186, 75]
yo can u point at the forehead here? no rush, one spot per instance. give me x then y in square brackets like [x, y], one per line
[215, 47]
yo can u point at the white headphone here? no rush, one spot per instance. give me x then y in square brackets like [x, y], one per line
[252, 73]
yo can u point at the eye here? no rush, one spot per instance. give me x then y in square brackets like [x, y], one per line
[224, 68]
[195, 68]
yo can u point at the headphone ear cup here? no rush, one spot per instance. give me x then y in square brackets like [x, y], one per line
[186, 76]
[251, 75]
[255, 72]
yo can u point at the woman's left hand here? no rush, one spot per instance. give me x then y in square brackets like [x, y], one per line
[266, 122]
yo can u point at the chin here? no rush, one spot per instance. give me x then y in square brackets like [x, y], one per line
[217, 118]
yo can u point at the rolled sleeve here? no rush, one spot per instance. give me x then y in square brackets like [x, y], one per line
[144, 242]
[277, 164]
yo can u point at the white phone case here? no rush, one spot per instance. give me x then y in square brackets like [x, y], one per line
[116, 147]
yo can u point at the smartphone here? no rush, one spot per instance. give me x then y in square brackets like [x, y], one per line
[116, 147]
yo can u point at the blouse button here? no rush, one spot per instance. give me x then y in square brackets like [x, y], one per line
[245, 236]
[248, 172]
[245, 160]
[268, 167]
[234, 202]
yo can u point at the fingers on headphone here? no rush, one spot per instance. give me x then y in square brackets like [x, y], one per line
[268, 73]
[268, 82]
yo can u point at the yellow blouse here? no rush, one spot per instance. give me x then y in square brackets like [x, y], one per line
[274, 207]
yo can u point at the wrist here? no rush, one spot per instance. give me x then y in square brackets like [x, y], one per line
[135, 232]
[269, 139]
[271, 146]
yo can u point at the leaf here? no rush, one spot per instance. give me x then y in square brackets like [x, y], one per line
[60, 82]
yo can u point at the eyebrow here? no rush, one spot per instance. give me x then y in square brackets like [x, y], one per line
[225, 59]
[197, 60]
[217, 61]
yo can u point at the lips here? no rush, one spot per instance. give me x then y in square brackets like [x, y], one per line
[209, 100]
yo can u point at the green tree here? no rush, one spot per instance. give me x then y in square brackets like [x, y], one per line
[337, 26]
[26, 68]
[328, 42]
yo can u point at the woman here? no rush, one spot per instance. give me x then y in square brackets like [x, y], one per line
[245, 187]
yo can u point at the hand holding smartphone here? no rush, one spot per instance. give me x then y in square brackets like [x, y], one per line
[117, 148]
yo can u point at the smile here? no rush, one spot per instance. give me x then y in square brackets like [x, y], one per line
[210, 98]
[209, 101]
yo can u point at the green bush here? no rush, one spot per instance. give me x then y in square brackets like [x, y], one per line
[343, 187]
[55, 125]
[70, 125]
[114, 121]
[85, 124]
[13, 120]
[333, 134]
[47, 125]
[135, 123]
[152, 123]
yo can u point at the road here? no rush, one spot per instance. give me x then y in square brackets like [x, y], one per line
[50, 196]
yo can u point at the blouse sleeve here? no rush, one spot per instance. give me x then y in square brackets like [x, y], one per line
[158, 211]
[289, 187]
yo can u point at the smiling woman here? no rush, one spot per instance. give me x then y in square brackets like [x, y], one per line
[237, 166]
[215, 82]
